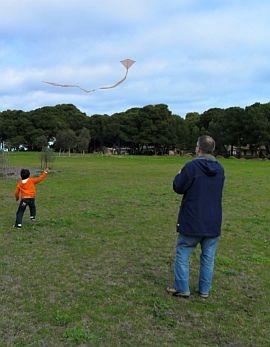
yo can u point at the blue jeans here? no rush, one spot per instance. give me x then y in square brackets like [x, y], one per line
[185, 246]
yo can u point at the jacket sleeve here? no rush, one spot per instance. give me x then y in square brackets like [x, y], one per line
[182, 181]
[40, 178]
[17, 192]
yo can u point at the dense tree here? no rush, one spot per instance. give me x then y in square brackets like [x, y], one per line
[65, 140]
[179, 133]
[18, 142]
[98, 126]
[257, 126]
[83, 140]
[192, 122]
[10, 121]
[211, 122]
[233, 126]
[149, 129]
[40, 142]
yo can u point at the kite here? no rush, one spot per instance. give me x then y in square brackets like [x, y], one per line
[127, 64]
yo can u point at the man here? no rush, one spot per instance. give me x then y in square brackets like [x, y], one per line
[200, 215]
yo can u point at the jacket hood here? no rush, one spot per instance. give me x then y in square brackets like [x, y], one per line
[207, 164]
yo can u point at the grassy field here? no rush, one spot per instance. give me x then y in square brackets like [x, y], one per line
[93, 269]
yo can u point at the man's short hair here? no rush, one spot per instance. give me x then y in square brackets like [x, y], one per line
[25, 173]
[206, 144]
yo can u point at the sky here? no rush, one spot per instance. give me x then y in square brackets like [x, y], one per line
[191, 55]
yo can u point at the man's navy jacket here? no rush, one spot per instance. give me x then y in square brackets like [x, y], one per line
[201, 183]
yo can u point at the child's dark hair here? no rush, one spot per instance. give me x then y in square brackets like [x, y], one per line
[25, 173]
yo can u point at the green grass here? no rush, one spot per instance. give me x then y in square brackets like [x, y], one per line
[93, 269]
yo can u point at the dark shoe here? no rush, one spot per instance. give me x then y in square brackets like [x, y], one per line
[174, 292]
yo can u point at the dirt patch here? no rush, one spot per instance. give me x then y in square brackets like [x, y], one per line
[13, 172]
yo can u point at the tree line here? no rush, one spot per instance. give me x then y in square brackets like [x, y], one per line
[151, 129]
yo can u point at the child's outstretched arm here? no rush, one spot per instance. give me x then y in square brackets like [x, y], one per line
[41, 177]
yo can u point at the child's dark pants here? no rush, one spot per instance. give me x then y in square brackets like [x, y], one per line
[21, 209]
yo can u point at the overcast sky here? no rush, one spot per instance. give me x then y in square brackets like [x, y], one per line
[190, 54]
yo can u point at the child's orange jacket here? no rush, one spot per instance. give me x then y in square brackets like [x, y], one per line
[27, 187]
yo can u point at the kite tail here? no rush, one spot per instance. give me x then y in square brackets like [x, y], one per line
[116, 84]
[69, 86]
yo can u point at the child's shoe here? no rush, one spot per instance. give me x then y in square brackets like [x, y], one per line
[18, 226]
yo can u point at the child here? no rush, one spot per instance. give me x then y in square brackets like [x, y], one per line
[27, 188]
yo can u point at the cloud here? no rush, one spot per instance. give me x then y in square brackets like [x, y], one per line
[189, 54]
